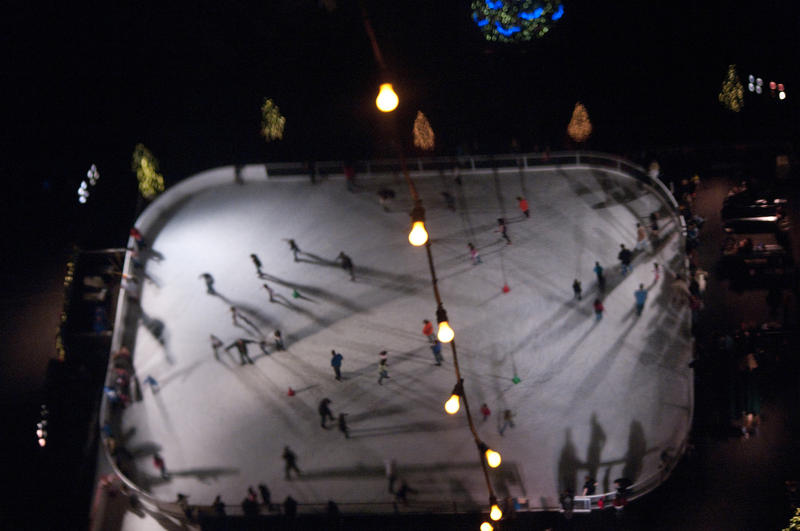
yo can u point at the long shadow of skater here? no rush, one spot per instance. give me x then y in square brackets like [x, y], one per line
[568, 464]
[317, 292]
[597, 440]
[318, 260]
[637, 448]
[205, 475]
[154, 326]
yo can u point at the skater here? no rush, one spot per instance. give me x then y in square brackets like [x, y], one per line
[601, 279]
[501, 228]
[138, 238]
[576, 287]
[216, 344]
[508, 421]
[485, 411]
[598, 309]
[241, 346]
[391, 473]
[158, 462]
[350, 176]
[278, 340]
[385, 195]
[589, 486]
[347, 264]
[641, 237]
[209, 280]
[427, 330]
[290, 461]
[436, 348]
[473, 254]
[336, 363]
[625, 256]
[402, 493]
[293, 247]
[325, 412]
[641, 296]
[449, 201]
[218, 505]
[153, 383]
[266, 497]
[271, 293]
[383, 371]
[290, 507]
[343, 426]
[522, 203]
[235, 316]
[656, 272]
[654, 225]
[257, 263]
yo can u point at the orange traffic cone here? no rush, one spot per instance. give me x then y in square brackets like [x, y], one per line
[291, 392]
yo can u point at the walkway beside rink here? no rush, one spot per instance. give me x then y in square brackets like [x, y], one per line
[608, 399]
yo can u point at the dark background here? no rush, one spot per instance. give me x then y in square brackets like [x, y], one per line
[84, 82]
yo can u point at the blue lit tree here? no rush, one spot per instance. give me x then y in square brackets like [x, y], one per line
[515, 20]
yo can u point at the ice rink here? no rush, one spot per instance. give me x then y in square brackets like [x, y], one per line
[606, 398]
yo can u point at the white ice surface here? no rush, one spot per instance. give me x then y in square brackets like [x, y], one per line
[222, 426]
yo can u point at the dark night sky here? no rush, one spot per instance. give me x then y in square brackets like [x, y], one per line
[85, 84]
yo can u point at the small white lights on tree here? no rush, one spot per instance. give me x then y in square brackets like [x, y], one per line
[83, 193]
[93, 175]
[423, 133]
[782, 95]
[272, 122]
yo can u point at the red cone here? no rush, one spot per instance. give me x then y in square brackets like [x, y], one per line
[291, 392]
[506, 289]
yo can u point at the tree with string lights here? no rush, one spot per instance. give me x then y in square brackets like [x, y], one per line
[515, 20]
[731, 96]
[272, 122]
[423, 133]
[145, 165]
[579, 128]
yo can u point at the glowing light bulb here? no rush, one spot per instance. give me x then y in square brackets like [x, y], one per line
[452, 405]
[495, 513]
[418, 235]
[492, 458]
[486, 526]
[445, 333]
[387, 99]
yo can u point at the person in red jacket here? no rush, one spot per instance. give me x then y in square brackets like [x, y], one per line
[598, 309]
[523, 205]
[427, 330]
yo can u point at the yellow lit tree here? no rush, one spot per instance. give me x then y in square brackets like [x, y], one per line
[732, 94]
[579, 127]
[272, 122]
[423, 133]
[145, 165]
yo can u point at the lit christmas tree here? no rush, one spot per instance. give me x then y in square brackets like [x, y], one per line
[271, 121]
[732, 94]
[423, 133]
[579, 127]
[151, 183]
[515, 20]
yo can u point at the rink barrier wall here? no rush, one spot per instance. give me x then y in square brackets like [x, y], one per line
[155, 213]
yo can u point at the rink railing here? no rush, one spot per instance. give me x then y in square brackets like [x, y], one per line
[418, 167]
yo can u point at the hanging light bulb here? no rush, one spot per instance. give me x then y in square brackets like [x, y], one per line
[486, 526]
[418, 235]
[493, 458]
[453, 403]
[445, 333]
[387, 99]
[495, 513]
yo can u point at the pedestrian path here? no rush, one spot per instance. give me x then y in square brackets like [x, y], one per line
[605, 398]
